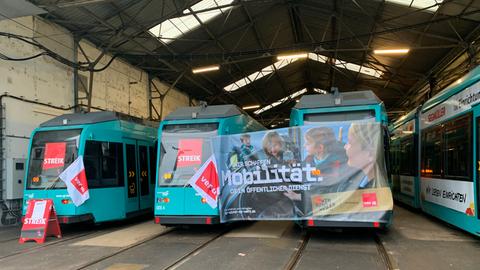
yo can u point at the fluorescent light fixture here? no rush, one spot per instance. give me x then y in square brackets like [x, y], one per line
[280, 101]
[292, 56]
[205, 69]
[172, 29]
[251, 107]
[320, 91]
[392, 51]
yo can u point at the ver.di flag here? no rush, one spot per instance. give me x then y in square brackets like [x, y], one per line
[76, 181]
[205, 182]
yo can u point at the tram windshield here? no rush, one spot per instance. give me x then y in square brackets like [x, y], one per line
[184, 148]
[51, 153]
[313, 118]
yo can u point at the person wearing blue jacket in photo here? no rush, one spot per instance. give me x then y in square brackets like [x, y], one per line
[324, 152]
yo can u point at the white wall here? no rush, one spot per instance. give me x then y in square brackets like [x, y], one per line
[121, 87]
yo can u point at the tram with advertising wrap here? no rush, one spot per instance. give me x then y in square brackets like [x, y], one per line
[347, 108]
[405, 159]
[449, 153]
[184, 139]
[119, 157]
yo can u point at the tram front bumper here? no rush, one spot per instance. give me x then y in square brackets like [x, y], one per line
[186, 220]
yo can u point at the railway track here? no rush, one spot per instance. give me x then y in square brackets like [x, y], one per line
[194, 252]
[386, 258]
[299, 251]
[155, 236]
[295, 258]
[48, 244]
[178, 262]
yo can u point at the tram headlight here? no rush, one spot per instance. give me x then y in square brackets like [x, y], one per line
[36, 180]
[203, 200]
[166, 200]
[65, 201]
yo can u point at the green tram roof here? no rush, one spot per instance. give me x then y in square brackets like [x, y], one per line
[409, 116]
[92, 118]
[354, 98]
[201, 112]
[454, 88]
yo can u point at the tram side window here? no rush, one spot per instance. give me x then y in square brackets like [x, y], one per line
[458, 149]
[104, 164]
[447, 150]
[432, 156]
[394, 157]
[407, 158]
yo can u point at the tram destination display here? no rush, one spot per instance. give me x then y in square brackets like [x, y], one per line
[328, 171]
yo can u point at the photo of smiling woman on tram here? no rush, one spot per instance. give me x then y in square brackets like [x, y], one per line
[365, 153]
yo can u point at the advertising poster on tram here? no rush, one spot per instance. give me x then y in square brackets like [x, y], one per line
[328, 171]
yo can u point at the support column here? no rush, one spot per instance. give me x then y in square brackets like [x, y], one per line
[149, 97]
[76, 107]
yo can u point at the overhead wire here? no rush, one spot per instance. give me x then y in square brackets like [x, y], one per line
[49, 53]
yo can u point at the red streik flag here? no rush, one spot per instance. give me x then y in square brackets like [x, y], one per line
[205, 182]
[76, 181]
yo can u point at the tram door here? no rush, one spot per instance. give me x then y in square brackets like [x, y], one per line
[146, 194]
[476, 185]
[132, 183]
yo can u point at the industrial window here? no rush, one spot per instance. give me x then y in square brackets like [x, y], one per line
[426, 5]
[104, 164]
[447, 150]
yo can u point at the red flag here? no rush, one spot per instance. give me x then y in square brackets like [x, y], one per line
[205, 181]
[76, 181]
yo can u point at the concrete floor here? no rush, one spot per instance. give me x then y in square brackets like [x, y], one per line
[415, 241]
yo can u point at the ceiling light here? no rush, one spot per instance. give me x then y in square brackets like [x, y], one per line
[205, 69]
[392, 51]
[251, 107]
[292, 56]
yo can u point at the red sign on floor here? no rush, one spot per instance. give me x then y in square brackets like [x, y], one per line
[40, 221]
